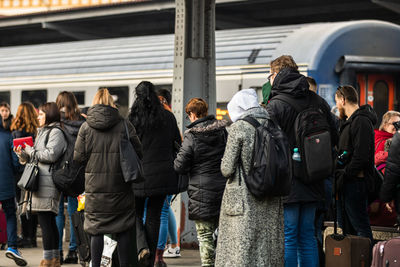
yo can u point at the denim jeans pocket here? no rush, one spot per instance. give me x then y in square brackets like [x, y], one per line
[234, 205]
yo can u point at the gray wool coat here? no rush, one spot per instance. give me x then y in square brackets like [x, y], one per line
[251, 231]
[47, 198]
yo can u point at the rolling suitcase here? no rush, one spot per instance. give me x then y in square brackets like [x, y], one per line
[3, 229]
[82, 238]
[386, 253]
[349, 251]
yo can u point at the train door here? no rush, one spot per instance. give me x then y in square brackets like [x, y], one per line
[378, 91]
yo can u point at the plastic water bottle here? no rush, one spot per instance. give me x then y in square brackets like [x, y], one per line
[342, 158]
[296, 155]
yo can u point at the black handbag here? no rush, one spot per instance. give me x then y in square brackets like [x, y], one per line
[131, 165]
[29, 180]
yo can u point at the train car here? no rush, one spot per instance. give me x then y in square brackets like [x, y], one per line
[365, 54]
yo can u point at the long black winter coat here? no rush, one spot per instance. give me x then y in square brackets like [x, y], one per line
[291, 83]
[357, 137]
[72, 127]
[391, 182]
[158, 159]
[200, 155]
[110, 203]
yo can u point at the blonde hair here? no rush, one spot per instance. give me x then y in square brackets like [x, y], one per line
[386, 118]
[103, 97]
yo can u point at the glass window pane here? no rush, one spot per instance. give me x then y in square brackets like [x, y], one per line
[36, 97]
[121, 98]
[80, 97]
[381, 99]
[5, 97]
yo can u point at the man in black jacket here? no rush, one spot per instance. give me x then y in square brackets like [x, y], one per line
[300, 205]
[356, 167]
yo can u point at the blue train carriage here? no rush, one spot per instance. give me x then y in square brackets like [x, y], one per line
[365, 54]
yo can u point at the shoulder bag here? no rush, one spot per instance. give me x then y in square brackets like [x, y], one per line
[29, 180]
[131, 165]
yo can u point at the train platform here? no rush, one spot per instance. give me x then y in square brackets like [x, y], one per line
[189, 258]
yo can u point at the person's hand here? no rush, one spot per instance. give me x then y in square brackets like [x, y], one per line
[390, 206]
[18, 150]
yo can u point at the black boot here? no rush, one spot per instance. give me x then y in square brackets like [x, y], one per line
[61, 257]
[72, 257]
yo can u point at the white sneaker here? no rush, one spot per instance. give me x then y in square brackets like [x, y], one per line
[172, 252]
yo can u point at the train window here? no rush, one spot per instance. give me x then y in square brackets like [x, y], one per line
[80, 97]
[222, 112]
[121, 98]
[5, 97]
[36, 97]
[381, 99]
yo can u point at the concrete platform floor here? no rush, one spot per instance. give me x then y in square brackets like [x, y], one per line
[34, 255]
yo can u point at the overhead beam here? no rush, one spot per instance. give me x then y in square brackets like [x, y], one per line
[77, 33]
[389, 4]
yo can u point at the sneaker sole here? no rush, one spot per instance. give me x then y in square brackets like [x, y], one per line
[171, 256]
[18, 261]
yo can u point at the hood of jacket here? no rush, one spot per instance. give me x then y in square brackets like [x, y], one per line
[206, 124]
[103, 117]
[72, 126]
[242, 101]
[290, 82]
[366, 111]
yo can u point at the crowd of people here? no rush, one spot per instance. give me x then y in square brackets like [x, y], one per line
[215, 158]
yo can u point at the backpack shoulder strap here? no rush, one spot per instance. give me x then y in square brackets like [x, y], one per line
[289, 100]
[251, 120]
[48, 134]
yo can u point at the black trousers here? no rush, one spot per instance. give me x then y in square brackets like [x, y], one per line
[152, 225]
[123, 248]
[47, 221]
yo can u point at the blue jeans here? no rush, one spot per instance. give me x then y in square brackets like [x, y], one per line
[354, 198]
[300, 243]
[60, 221]
[322, 208]
[10, 210]
[167, 224]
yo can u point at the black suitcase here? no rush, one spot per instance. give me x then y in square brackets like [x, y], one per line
[82, 238]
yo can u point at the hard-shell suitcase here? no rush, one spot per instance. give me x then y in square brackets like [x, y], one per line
[351, 251]
[82, 238]
[386, 253]
[3, 229]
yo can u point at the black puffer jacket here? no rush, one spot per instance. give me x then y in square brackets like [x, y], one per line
[200, 155]
[391, 182]
[110, 203]
[72, 127]
[357, 138]
[291, 83]
[158, 159]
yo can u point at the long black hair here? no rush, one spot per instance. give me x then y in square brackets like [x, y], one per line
[146, 111]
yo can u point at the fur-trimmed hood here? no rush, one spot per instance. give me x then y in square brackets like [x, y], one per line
[206, 124]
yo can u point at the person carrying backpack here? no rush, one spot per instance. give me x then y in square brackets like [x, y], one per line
[72, 121]
[305, 118]
[250, 227]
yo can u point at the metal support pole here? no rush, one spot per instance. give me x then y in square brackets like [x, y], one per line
[194, 76]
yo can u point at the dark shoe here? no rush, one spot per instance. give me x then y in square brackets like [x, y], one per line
[72, 258]
[61, 257]
[159, 262]
[144, 257]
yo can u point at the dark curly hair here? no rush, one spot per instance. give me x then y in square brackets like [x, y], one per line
[146, 111]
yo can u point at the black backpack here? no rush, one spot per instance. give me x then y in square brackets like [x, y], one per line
[68, 175]
[313, 139]
[270, 173]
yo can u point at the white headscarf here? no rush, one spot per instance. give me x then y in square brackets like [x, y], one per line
[242, 101]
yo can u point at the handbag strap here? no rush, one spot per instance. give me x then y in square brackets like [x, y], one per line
[126, 129]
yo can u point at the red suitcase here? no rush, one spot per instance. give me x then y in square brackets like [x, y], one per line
[3, 229]
[386, 253]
